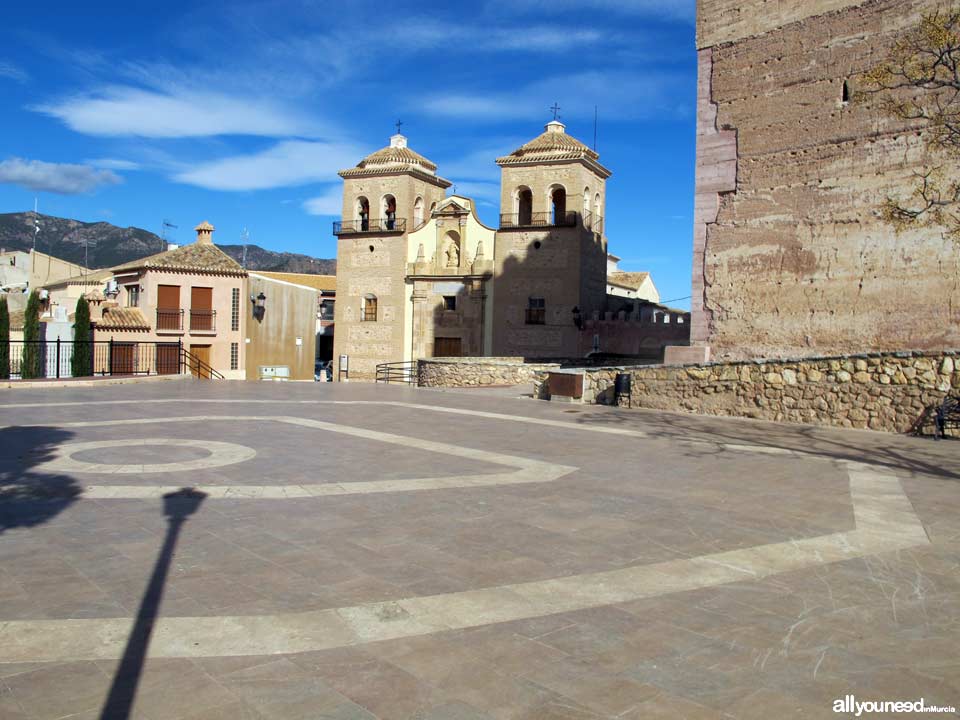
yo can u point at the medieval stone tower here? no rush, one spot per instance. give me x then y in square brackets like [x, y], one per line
[550, 256]
[387, 195]
[791, 256]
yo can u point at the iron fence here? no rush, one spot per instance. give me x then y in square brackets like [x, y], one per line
[203, 320]
[170, 320]
[401, 372]
[31, 359]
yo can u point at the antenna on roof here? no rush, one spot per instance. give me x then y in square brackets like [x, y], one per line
[594, 128]
[163, 232]
[36, 223]
[88, 243]
[244, 239]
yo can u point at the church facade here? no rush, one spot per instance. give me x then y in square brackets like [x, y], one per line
[419, 275]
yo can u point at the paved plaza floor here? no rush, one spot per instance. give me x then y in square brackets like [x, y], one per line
[230, 550]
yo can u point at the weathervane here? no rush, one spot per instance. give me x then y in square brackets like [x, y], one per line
[556, 110]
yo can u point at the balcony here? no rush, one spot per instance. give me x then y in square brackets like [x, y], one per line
[203, 321]
[536, 316]
[510, 221]
[369, 226]
[170, 320]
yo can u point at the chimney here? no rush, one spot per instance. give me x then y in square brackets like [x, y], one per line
[204, 233]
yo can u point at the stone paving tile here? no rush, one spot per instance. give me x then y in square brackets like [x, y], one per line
[782, 646]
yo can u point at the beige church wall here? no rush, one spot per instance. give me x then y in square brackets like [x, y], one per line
[48, 269]
[431, 237]
[790, 257]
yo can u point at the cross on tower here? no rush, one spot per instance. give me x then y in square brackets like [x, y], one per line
[556, 109]
[398, 126]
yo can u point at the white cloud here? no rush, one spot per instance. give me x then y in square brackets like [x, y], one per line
[286, 164]
[635, 95]
[113, 164]
[121, 110]
[683, 10]
[12, 72]
[60, 178]
[425, 34]
[330, 203]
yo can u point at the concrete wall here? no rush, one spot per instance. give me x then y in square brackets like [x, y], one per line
[290, 312]
[881, 391]
[790, 255]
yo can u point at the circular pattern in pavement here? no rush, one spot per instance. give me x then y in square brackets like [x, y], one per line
[219, 454]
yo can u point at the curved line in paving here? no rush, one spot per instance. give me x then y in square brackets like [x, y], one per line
[885, 521]
[221, 453]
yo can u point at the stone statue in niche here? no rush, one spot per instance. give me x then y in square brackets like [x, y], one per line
[453, 255]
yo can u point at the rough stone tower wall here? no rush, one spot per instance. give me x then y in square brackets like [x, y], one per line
[791, 257]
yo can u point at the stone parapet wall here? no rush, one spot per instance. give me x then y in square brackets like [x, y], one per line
[880, 391]
[478, 372]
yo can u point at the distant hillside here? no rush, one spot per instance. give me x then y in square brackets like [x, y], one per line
[111, 245]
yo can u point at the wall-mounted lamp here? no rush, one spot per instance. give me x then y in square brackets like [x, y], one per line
[259, 302]
[577, 317]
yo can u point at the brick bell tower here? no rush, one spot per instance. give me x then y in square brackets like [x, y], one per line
[387, 195]
[551, 251]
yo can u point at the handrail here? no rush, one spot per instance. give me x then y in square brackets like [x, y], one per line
[203, 320]
[203, 371]
[403, 372]
[537, 219]
[369, 225]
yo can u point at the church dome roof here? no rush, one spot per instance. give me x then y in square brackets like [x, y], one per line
[396, 157]
[553, 145]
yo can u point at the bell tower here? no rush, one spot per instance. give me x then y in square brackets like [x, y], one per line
[551, 249]
[387, 195]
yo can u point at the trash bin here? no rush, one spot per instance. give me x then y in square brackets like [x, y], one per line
[621, 387]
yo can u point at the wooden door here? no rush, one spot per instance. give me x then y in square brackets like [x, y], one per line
[200, 363]
[446, 347]
[201, 308]
[121, 359]
[168, 307]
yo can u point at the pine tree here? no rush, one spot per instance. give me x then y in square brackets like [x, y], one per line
[81, 363]
[4, 339]
[30, 367]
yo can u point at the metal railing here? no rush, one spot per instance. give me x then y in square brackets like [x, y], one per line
[59, 359]
[369, 225]
[537, 219]
[170, 319]
[203, 320]
[399, 372]
[593, 222]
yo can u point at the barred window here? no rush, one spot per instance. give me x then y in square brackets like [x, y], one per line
[235, 310]
[536, 311]
[234, 355]
[369, 308]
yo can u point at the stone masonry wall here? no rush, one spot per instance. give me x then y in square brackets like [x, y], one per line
[477, 372]
[880, 391]
[792, 259]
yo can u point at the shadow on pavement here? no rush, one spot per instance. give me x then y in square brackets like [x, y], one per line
[177, 507]
[28, 497]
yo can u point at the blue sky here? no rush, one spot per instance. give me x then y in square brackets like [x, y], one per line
[242, 113]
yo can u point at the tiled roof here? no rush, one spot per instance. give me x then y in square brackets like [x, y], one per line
[94, 277]
[317, 282]
[551, 145]
[116, 318]
[198, 257]
[632, 280]
[396, 157]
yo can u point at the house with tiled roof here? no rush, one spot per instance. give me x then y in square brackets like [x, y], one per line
[185, 298]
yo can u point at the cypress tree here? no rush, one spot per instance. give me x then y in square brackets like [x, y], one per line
[30, 367]
[81, 363]
[4, 339]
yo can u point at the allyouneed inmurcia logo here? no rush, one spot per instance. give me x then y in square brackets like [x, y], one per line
[849, 704]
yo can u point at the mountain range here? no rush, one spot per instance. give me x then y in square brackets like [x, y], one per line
[100, 244]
